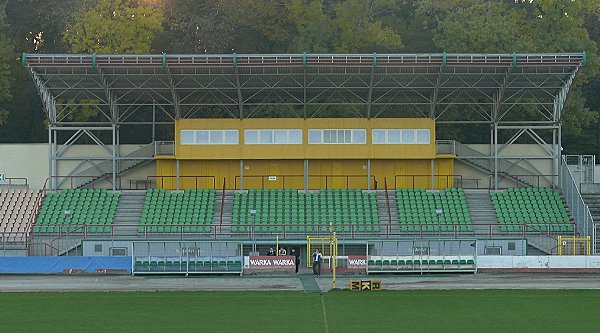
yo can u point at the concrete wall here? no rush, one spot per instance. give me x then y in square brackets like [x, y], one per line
[31, 161]
[539, 263]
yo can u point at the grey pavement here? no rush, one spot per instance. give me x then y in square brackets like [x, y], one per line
[293, 283]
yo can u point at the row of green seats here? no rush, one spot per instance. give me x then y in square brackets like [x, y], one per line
[417, 262]
[76, 207]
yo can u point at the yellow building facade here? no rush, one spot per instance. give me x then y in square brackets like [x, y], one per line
[305, 153]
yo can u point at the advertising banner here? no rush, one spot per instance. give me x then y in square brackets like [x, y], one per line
[357, 262]
[271, 263]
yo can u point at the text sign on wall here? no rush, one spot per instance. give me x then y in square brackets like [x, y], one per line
[357, 262]
[271, 262]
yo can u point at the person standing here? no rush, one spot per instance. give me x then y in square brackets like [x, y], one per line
[296, 258]
[282, 251]
[271, 252]
[317, 257]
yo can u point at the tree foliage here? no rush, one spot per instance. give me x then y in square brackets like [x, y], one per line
[6, 58]
[114, 26]
[294, 26]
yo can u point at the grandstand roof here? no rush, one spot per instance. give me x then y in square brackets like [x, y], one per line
[428, 83]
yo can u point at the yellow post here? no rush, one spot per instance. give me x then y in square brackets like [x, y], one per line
[334, 239]
[559, 246]
[308, 254]
[588, 245]
[277, 244]
[574, 246]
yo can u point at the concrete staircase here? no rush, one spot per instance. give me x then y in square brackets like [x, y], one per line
[128, 214]
[382, 209]
[225, 228]
[593, 202]
[481, 208]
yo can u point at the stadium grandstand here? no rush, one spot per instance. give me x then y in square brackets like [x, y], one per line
[220, 168]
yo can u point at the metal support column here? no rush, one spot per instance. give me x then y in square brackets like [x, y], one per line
[153, 121]
[50, 155]
[305, 175]
[177, 174]
[114, 157]
[54, 160]
[495, 155]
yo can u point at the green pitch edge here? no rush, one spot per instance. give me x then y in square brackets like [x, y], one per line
[310, 284]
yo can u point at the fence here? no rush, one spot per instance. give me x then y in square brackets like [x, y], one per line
[173, 257]
[184, 181]
[421, 255]
[297, 182]
[579, 209]
[14, 182]
[424, 181]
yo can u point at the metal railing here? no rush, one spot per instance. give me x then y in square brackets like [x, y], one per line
[579, 209]
[124, 163]
[410, 181]
[164, 148]
[482, 161]
[20, 182]
[511, 181]
[78, 232]
[331, 181]
[159, 181]
[242, 60]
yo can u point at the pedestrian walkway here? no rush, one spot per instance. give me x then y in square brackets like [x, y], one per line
[309, 283]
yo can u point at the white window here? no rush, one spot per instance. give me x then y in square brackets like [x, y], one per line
[337, 136]
[187, 137]
[379, 136]
[401, 136]
[209, 137]
[423, 136]
[359, 136]
[202, 137]
[232, 137]
[273, 136]
[280, 137]
[315, 136]
[295, 137]
[394, 136]
[250, 136]
[265, 137]
[408, 136]
[216, 137]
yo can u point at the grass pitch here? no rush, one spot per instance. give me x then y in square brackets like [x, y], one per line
[337, 311]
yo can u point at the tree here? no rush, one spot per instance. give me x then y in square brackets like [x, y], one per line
[195, 26]
[313, 29]
[7, 58]
[114, 26]
[360, 27]
[521, 26]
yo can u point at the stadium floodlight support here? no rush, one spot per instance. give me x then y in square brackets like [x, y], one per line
[451, 88]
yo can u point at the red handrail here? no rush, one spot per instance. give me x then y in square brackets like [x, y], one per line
[222, 203]
[413, 177]
[162, 180]
[327, 179]
[387, 200]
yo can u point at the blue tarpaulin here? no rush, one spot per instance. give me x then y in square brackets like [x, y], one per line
[58, 265]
